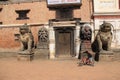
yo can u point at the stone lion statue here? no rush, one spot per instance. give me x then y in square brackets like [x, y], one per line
[104, 37]
[26, 38]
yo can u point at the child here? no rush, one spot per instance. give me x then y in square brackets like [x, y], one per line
[86, 59]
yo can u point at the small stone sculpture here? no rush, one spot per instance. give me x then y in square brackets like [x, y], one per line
[43, 35]
[43, 38]
[104, 37]
[86, 52]
[26, 38]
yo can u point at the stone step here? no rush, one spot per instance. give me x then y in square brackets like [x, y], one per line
[106, 57]
[8, 54]
[38, 54]
[41, 54]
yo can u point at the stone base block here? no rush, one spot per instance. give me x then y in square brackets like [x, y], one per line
[25, 56]
[106, 56]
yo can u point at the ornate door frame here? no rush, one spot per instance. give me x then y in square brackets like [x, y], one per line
[64, 30]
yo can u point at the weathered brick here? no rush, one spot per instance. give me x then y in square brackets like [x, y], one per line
[39, 13]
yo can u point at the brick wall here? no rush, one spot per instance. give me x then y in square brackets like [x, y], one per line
[39, 13]
[107, 17]
[7, 38]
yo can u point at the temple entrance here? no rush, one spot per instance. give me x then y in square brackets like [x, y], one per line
[64, 42]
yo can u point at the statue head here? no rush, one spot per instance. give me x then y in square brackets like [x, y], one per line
[105, 27]
[43, 35]
[86, 28]
[86, 33]
[24, 29]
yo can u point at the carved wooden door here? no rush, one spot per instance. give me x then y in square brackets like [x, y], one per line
[64, 43]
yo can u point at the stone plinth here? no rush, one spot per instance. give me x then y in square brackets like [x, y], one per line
[106, 56]
[25, 56]
[41, 54]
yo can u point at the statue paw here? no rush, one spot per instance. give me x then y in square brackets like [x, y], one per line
[29, 51]
[109, 50]
[21, 49]
[101, 51]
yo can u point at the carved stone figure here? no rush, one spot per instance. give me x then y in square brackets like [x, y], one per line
[86, 35]
[26, 38]
[86, 52]
[43, 38]
[104, 37]
[43, 35]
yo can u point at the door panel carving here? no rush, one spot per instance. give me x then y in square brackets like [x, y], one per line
[64, 42]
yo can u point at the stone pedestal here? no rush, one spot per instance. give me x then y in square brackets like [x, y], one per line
[25, 56]
[106, 56]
